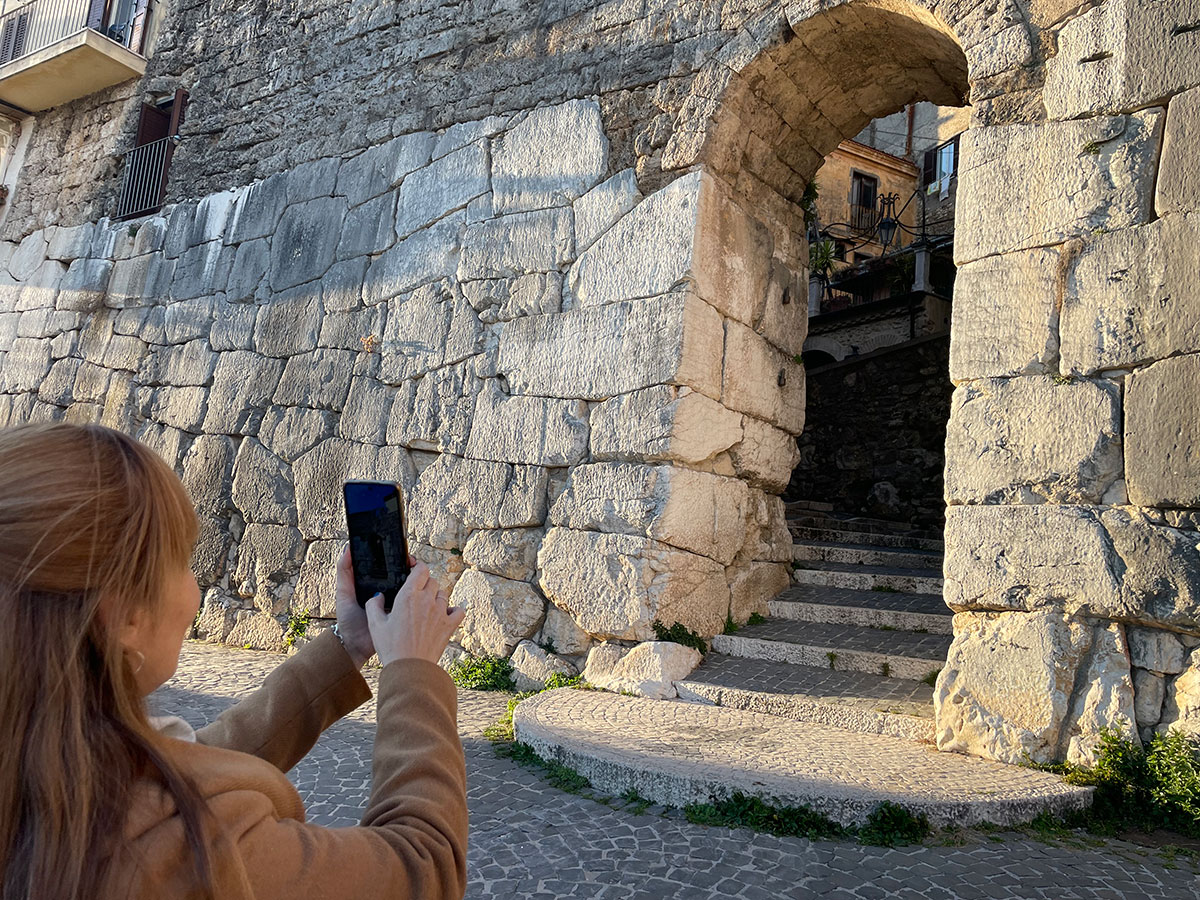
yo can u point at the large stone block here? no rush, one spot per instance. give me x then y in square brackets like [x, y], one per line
[551, 157]
[518, 244]
[1005, 313]
[1162, 452]
[182, 365]
[368, 406]
[1039, 184]
[414, 337]
[262, 485]
[187, 320]
[618, 585]
[593, 354]
[694, 511]
[1129, 297]
[761, 380]
[202, 270]
[305, 240]
[29, 256]
[319, 379]
[242, 385]
[369, 228]
[445, 185]
[290, 432]
[601, 207]
[648, 670]
[503, 299]
[67, 244]
[26, 365]
[1112, 563]
[426, 256]
[85, 285]
[765, 456]
[207, 473]
[383, 167]
[663, 423]
[316, 588]
[500, 613]
[435, 411]
[1021, 440]
[752, 586]
[258, 209]
[140, 281]
[453, 496]
[269, 558]
[210, 558]
[1181, 708]
[560, 632]
[318, 477]
[232, 327]
[289, 323]
[1122, 55]
[1179, 168]
[690, 232]
[508, 552]
[1156, 650]
[1035, 687]
[531, 430]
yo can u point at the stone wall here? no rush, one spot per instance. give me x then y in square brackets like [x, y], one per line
[542, 357]
[393, 265]
[1072, 544]
[875, 432]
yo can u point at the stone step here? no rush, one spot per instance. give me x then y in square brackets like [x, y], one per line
[865, 555]
[677, 753]
[801, 506]
[860, 524]
[872, 609]
[856, 701]
[843, 648]
[871, 578]
[834, 535]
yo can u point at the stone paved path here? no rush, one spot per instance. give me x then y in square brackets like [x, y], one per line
[532, 842]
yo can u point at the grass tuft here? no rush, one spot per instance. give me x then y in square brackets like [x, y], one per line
[485, 673]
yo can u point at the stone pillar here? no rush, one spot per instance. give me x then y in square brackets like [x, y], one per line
[1072, 466]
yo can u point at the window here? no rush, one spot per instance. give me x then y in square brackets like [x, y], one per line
[941, 163]
[864, 193]
[148, 163]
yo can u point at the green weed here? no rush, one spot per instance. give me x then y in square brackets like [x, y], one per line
[297, 627]
[679, 634]
[756, 619]
[484, 673]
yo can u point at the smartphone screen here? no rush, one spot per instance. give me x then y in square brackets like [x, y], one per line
[378, 548]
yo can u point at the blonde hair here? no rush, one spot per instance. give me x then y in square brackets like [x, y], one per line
[92, 524]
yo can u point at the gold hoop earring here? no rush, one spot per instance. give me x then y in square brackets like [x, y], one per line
[141, 660]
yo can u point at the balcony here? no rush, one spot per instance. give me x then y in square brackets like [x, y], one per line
[56, 51]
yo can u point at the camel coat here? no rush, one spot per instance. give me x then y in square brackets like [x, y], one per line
[413, 838]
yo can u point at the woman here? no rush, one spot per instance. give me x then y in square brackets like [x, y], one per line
[96, 596]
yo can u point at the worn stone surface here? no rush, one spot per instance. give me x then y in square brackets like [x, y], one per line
[1008, 691]
[508, 552]
[1113, 563]
[419, 259]
[262, 485]
[1076, 177]
[1069, 453]
[766, 455]
[448, 184]
[648, 670]
[761, 380]
[532, 666]
[1149, 690]
[598, 209]
[1128, 296]
[242, 386]
[560, 632]
[500, 613]
[517, 244]
[316, 586]
[528, 429]
[695, 511]
[553, 156]
[268, 557]
[752, 586]
[1158, 651]
[617, 585]
[1162, 445]
[663, 423]
[584, 353]
[994, 337]
[1122, 55]
[1181, 708]
[1178, 181]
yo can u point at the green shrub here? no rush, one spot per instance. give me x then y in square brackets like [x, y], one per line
[741, 811]
[1152, 787]
[756, 619]
[485, 673]
[297, 627]
[731, 626]
[559, 680]
[679, 634]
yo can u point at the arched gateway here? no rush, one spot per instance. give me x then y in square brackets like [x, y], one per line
[557, 288]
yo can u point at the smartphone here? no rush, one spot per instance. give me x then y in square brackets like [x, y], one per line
[378, 547]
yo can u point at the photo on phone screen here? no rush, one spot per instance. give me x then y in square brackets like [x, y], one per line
[378, 548]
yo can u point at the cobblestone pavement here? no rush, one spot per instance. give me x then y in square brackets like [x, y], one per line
[533, 842]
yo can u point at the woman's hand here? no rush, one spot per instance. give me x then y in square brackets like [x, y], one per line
[352, 620]
[420, 623]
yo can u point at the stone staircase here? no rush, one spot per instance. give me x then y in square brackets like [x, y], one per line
[828, 702]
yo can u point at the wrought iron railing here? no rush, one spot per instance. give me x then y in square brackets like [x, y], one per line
[863, 218]
[145, 180]
[26, 27]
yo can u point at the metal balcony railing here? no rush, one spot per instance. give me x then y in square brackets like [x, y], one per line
[863, 218]
[145, 180]
[27, 27]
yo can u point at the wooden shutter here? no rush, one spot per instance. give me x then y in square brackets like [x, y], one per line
[930, 168]
[7, 40]
[20, 33]
[95, 18]
[153, 125]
